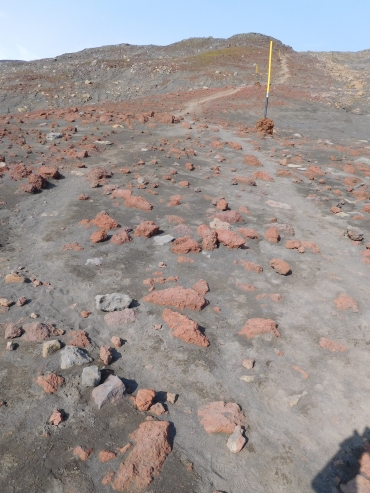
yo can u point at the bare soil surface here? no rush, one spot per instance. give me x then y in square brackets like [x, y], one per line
[280, 320]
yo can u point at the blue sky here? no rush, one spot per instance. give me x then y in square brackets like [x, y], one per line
[33, 29]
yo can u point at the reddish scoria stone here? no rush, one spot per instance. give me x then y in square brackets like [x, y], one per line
[144, 399]
[218, 417]
[280, 266]
[147, 457]
[147, 229]
[50, 383]
[184, 328]
[178, 297]
[344, 302]
[185, 245]
[256, 326]
[104, 221]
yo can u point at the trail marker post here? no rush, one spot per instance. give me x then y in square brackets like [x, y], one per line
[268, 81]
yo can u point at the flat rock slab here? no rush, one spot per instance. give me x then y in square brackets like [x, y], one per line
[120, 317]
[112, 390]
[112, 302]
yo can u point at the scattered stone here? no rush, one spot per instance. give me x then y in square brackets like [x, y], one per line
[116, 341]
[54, 135]
[163, 239]
[56, 418]
[272, 235]
[184, 328]
[248, 363]
[71, 356]
[280, 266]
[294, 399]
[278, 205]
[251, 266]
[10, 346]
[256, 326]
[147, 457]
[144, 399]
[82, 453]
[344, 302]
[106, 355]
[178, 297]
[14, 278]
[171, 398]
[5, 302]
[218, 224]
[112, 302]
[229, 238]
[201, 287]
[185, 245]
[21, 301]
[147, 229]
[104, 221]
[91, 376]
[39, 332]
[50, 383]
[50, 347]
[12, 331]
[110, 391]
[99, 236]
[265, 126]
[355, 234]
[248, 233]
[236, 441]
[78, 338]
[219, 417]
[157, 409]
[231, 217]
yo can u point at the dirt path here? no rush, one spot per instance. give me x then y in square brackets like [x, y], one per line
[192, 106]
[285, 72]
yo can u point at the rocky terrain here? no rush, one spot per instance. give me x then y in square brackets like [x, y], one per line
[184, 299]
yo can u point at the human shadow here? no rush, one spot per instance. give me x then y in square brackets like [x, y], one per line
[339, 474]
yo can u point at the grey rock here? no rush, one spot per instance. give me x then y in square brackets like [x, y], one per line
[54, 135]
[162, 240]
[71, 356]
[112, 390]
[91, 376]
[112, 302]
[236, 441]
[354, 234]
[94, 261]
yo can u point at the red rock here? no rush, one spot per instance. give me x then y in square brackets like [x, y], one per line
[138, 203]
[85, 314]
[104, 221]
[248, 233]
[262, 175]
[82, 453]
[186, 125]
[37, 181]
[184, 260]
[116, 341]
[252, 160]
[235, 146]
[366, 208]
[72, 246]
[147, 457]
[121, 237]
[48, 172]
[332, 346]
[19, 171]
[106, 456]
[335, 210]
[121, 194]
[56, 418]
[218, 417]
[272, 235]
[229, 238]
[201, 287]
[157, 409]
[106, 355]
[21, 301]
[203, 230]
[78, 339]
[184, 184]
[245, 180]
[365, 462]
[175, 200]
[99, 236]
[144, 399]
[189, 166]
[120, 317]
[210, 242]
[265, 126]
[178, 297]
[147, 229]
[39, 332]
[256, 326]
[175, 219]
[310, 245]
[12, 331]
[344, 302]
[251, 266]
[50, 383]
[185, 329]
[222, 205]
[231, 217]
[280, 266]
[292, 244]
[185, 245]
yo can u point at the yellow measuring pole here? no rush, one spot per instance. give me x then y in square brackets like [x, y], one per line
[268, 80]
[257, 68]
